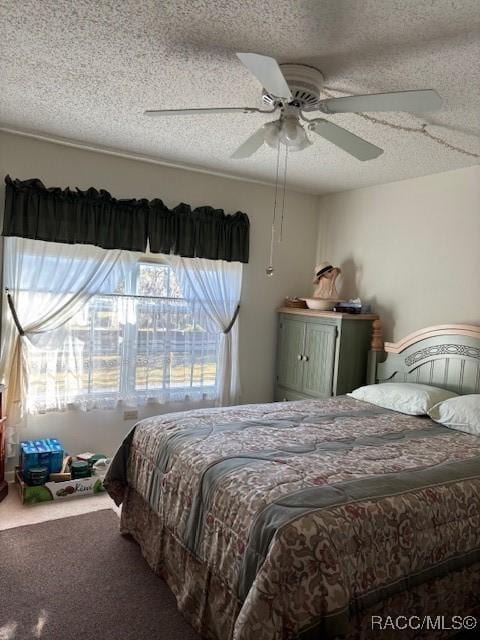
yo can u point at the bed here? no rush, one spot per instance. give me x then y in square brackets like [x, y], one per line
[302, 520]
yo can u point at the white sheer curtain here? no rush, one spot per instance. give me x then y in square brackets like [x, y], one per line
[48, 284]
[216, 286]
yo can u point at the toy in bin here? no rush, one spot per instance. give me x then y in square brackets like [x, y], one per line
[47, 453]
[36, 476]
[80, 469]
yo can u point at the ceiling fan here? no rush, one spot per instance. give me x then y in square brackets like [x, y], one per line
[294, 89]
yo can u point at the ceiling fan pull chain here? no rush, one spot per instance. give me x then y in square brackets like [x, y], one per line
[270, 270]
[284, 192]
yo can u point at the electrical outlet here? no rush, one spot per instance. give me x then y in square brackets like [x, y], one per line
[130, 415]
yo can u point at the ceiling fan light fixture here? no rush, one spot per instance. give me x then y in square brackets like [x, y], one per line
[288, 132]
[294, 135]
[301, 143]
[272, 134]
[291, 130]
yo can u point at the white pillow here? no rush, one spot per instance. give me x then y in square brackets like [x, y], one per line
[462, 413]
[405, 397]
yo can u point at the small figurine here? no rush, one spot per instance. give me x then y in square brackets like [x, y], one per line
[325, 276]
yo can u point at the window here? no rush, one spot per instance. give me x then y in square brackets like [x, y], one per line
[137, 342]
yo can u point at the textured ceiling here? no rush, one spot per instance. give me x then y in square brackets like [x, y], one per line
[86, 70]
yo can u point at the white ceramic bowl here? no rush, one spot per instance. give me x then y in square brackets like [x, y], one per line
[320, 304]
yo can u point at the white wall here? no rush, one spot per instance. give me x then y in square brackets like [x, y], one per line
[57, 165]
[410, 247]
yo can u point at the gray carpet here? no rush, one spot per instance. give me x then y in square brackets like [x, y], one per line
[79, 578]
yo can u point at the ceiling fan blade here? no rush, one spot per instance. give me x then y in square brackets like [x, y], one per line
[416, 101]
[251, 144]
[268, 73]
[192, 112]
[349, 142]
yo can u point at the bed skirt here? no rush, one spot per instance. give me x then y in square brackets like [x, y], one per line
[212, 608]
[204, 600]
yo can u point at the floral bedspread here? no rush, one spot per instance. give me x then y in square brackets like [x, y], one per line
[309, 513]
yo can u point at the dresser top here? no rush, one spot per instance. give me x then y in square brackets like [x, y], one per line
[328, 314]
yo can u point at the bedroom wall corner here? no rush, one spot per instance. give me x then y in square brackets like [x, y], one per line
[411, 248]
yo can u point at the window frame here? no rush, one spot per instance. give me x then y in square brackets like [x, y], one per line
[128, 351]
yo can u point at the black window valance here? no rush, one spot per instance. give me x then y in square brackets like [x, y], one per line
[95, 217]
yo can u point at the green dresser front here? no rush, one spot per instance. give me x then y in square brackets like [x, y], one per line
[320, 355]
[319, 359]
[291, 342]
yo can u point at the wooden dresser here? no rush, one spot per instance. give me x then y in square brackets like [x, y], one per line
[3, 483]
[321, 353]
